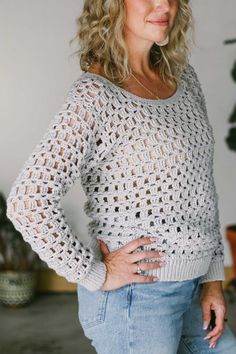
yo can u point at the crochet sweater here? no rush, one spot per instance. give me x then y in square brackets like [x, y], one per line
[146, 167]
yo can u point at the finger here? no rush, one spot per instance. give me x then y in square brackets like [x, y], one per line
[135, 257]
[147, 266]
[103, 247]
[215, 338]
[132, 245]
[212, 345]
[218, 329]
[206, 314]
[219, 321]
[143, 278]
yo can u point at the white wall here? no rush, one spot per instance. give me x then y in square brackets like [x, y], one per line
[36, 70]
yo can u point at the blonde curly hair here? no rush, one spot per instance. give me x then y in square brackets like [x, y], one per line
[100, 37]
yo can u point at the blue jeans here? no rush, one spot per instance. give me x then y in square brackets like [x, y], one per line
[162, 317]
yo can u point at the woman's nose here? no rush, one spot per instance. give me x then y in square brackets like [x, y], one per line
[163, 4]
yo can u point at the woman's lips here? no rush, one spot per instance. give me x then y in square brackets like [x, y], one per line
[159, 23]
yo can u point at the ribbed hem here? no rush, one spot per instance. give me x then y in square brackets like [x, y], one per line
[95, 277]
[173, 270]
[215, 272]
[181, 269]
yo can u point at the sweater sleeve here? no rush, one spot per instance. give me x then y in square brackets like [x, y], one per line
[216, 268]
[34, 202]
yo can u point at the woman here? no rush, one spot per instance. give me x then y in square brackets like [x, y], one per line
[134, 127]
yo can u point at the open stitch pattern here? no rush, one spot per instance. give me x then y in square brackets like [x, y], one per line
[145, 167]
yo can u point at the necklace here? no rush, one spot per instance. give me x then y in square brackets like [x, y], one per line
[145, 87]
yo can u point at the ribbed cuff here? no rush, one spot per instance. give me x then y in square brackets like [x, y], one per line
[215, 272]
[95, 277]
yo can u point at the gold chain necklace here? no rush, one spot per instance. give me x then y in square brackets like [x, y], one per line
[145, 87]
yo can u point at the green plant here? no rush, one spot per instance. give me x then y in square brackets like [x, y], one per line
[231, 138]
[15, 253]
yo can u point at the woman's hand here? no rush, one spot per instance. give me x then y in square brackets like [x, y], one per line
[121, 266]
[212, 298]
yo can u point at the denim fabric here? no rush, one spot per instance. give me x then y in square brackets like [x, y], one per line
[162, 317]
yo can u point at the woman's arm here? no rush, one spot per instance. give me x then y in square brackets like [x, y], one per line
[216, 269]
[34, 202]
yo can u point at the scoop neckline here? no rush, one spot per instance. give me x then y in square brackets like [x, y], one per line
[129, 94]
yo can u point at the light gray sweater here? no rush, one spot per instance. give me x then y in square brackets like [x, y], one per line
[146, 167]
